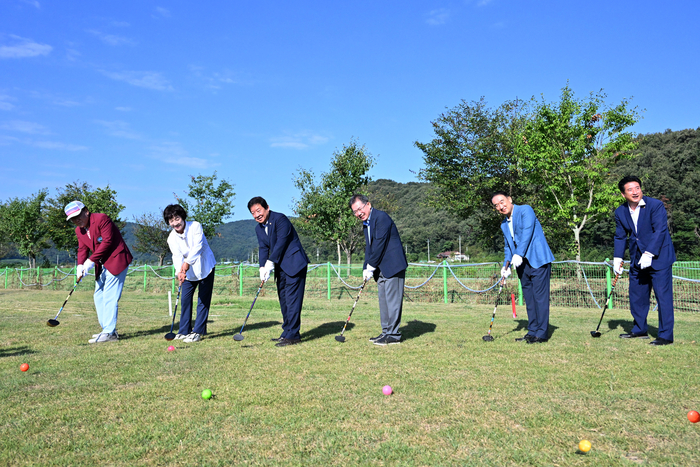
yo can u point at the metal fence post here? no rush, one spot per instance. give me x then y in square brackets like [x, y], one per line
[6, 273]
[444, 279]
[240, 280]
[328, 279]
[520, 291]
[145, 278]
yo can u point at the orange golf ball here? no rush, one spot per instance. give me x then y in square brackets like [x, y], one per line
[584, 445]
[25, 367]
[693, 416]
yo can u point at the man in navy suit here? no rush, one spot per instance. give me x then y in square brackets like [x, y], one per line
[526, 248]
[642, 222]
[385, 261]
[281, 250]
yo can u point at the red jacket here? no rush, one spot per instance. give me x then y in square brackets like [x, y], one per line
[106, 243]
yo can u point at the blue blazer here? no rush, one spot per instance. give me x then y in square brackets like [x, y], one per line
[529, 238]
[383, 248]
[281, 245]
[651, 235]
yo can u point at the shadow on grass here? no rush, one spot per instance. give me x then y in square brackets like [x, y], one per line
[627, 325]
[415, 329]
[248, 327]
[326, 329]
[16, 351]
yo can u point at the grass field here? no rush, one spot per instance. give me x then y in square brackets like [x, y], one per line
[457, 399]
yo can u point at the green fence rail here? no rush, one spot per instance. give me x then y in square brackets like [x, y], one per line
[573, 284]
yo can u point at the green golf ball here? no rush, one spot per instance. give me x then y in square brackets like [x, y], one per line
[206, 394]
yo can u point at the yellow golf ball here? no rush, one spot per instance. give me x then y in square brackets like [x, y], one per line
[584, 445]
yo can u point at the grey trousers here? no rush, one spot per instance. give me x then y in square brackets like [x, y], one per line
[390, 291]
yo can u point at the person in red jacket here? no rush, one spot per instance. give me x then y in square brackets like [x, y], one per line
[110, 257]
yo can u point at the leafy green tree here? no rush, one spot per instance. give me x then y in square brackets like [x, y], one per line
[322, 208]
[23, 223]
[102, 200]
[572, 145]
[151, 233]
[207, 202]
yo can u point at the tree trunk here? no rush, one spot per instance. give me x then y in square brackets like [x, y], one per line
[577, 243]
[160, 260]
[348, 257]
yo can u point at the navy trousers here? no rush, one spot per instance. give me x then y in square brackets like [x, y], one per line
[290, 290]
[535, 285]
[206, 287]
[641, 283]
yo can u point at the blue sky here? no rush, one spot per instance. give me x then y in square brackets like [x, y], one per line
[141, 94]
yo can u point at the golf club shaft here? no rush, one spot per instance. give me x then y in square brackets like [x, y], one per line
[500, 289]
[607, 301]
[66, 301]
[252, 305]
[177, 300]
[353, 305]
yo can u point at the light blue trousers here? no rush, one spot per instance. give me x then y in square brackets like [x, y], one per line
[108, 291]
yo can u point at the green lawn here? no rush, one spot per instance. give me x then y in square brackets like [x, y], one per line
[457, 399]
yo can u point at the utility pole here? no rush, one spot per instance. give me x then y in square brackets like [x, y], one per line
[428, 250]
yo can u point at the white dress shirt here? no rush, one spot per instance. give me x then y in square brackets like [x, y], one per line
[191, 247]
[635, 213]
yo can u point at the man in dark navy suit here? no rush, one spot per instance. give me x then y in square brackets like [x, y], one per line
[281, 250]
[643, 223]
[527, 249]
[385, 261]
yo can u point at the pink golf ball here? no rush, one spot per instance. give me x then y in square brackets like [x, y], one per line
[387, 390]
[171, 348]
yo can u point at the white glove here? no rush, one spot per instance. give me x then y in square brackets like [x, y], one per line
[368, 273]
[517, 260]
[266, 270]
[79, 272]
[505, 272]
[617, 265]
[645, 260]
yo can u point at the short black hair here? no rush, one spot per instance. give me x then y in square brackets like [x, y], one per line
[257, 200]
[630, 178]
[357, 196]
[499, 193]
[174, 210]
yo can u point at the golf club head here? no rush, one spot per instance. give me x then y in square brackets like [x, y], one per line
[340, 338]
[53, 323]
[169, 336]
[595, 334]
[238, 337]
[488, 338]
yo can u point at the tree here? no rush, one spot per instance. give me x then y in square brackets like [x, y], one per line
[571, 147]
[323, 208]
[209, 204]
[151, 234]
[22, 222]
[102, 200]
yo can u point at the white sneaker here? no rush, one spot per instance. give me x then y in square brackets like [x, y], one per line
[95, 336]
[104, 337]
[194, 337]
[181, 336]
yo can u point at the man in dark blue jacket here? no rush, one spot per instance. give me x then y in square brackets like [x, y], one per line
[643, 223]
[281, 250]
[385, 261]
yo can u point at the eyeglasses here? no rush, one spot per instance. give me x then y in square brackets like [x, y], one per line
[357, 211]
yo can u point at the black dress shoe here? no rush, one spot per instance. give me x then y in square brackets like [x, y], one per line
[526, 338]
[285, 342]
[277, 339]
[632, 335]
[537, 340]
[374, 339]
[660, 341]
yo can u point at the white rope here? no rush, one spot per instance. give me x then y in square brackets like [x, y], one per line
[469, 289]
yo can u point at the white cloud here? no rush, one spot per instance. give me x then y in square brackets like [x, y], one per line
[119, 129]
[142, 79]
[162, 12]
[24, 127]
[111, 39]
[123, 109]
[4, 104]
[174, 153]
[22, 48]
[57, 145]
[215, 80]
[438, 17]
[120, 24]
[483, 2]
[300, 140]
[33, 3]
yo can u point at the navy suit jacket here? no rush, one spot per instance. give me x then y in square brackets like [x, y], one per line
[383, 248]
[281, 245]
[529, 238]
[651, 234]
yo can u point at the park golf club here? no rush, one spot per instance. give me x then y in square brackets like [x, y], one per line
[54, 322]
[341, 338]
[171, 335]
[239, 336]
[488, 337]
[596, 333]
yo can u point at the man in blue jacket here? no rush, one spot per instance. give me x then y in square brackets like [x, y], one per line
[385, 261]
[526, 248]
[643, 223]
[281, 250]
